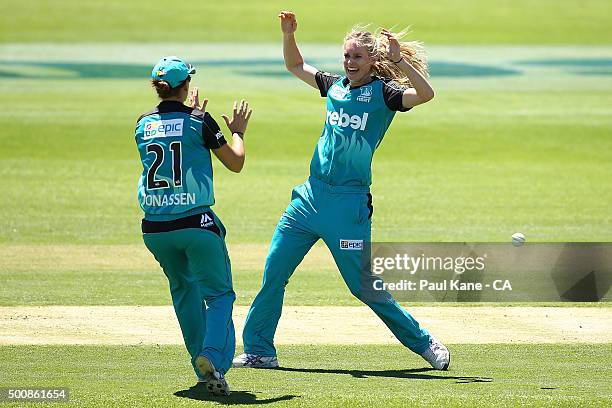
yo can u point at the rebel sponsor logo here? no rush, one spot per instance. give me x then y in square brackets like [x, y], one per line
[344, 120]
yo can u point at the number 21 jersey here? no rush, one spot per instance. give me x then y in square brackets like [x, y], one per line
[174, 142]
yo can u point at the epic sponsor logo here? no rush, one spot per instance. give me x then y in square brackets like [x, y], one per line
[163, 128]
[351, 244]
[345, 120]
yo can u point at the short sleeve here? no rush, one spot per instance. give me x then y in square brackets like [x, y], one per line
[392, 94]
[324, 81]
[211, 133]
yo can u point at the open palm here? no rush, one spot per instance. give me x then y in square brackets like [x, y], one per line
[393, 49]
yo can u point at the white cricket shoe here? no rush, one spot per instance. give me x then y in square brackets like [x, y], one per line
[437, 354]
[215, 382]
[254, 361]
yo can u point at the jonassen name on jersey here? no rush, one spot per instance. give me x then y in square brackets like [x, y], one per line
[170, 199]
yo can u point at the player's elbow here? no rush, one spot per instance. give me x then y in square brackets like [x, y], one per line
[236, 165]
[294, 67]
[238, 168]
[427, 96]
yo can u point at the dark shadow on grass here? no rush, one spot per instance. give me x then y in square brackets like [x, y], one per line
[413, 373]
[569, 62]
[256, 67]
[438, 69]
[199, 393]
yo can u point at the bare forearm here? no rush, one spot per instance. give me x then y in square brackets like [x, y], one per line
[419, 82]
[237, 147]
[291, 53]
[293, 58]
[232, 154]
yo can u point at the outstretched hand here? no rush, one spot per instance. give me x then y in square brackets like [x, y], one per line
[194, 100]
[393, 49]
[240, 118]
[288, 22]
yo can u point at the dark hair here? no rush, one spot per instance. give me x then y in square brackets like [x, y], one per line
[165, 91]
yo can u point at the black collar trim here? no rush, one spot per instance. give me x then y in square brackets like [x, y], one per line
[346, 82]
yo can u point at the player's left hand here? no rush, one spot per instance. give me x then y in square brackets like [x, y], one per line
[194, 100]
[393, 49]
[240, 118]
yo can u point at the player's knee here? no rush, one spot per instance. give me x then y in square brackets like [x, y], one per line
[273, 284]
[177, 285]
[276, 274]
[231, 295]
[370, 297]
[225, 297]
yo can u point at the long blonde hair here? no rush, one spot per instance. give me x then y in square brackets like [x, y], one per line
[376, 44]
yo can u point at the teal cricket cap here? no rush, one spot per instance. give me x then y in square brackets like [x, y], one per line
[173, 70]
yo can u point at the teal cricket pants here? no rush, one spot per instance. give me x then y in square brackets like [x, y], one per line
[197, 266]
[341, 216]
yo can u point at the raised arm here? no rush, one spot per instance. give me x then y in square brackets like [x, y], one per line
[232, 155]
[421, 90]
[293, 58]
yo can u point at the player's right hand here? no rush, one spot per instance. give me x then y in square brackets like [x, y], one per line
[194, 100]
[288, 22]
[393, 49]
[240, 118]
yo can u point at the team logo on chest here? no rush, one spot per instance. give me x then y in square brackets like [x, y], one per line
[366, 94]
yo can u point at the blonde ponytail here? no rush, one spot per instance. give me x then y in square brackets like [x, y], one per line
[376, 44]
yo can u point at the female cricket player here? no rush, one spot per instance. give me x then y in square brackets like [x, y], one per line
[179, 227]
[382, 76]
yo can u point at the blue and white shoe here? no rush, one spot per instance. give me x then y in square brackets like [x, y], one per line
[254, 361]
[437, 354]
[215, 382]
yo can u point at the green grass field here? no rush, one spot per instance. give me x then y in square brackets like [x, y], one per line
[442, 22]
[518, 138]
[331, 376]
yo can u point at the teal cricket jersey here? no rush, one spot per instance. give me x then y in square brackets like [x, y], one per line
[174, 142]
[355, 124]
